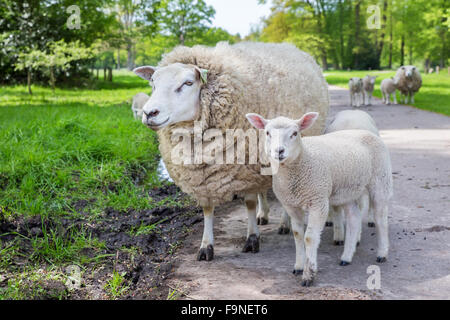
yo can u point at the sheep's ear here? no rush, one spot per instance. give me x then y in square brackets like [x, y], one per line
[145, 73]
[203, 73]
[307, 120]
[256, 120]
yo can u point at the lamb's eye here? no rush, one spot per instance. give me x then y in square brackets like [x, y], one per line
[268, 134]
[188, 83]
[294, 135]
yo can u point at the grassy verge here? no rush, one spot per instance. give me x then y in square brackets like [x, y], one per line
[433, 96]
[77, 181]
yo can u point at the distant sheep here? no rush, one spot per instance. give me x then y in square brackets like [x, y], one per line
[369, 86]
[388, 87]
[356, 92]
[409, 82]
[139, 101]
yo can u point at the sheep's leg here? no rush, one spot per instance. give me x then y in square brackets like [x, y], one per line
[284, 227]
[316, 222]
[329, 222]
[395, 97]
[363, 204]
[337, 214]
[363, 96]
[412, 97]
[252, 243]
[263, 209]
[353, 219]
[207, 248]
[381, 223]
[370, 98]
[383, 97]
[298, 228]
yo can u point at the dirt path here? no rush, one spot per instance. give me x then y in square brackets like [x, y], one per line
[419, 260]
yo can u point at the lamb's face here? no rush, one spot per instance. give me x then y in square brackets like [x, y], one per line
[176, 94]
[283, 136]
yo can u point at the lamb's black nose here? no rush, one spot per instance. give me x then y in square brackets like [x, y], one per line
[281, 152]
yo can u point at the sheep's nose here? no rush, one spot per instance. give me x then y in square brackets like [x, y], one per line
[153, 113]
[281, 152]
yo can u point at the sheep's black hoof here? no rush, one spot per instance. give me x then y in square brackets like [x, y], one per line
[328, 224]
[206, 253]
[252, 244]
[338, 243]
[344, 263]
[307, 283]
[262, 221]
[358, 243]
[283, 230]
[381, 259]
[297, 272]
[371, 224]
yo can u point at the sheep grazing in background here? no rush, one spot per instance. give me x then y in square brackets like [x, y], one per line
[356, 92]
[214, 88]
[368, 87]
[316, 172]
[350, 120]
[139, 101]
[409, 82]
[388, 88]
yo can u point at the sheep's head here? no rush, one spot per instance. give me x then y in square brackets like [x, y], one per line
[283, 135]
[408, 71]
[355, 83]
[176, 94]
[371, 79]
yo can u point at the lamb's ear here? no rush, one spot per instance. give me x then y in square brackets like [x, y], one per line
[307, 120]
[256, 120]
[145, 73]
[203, 73]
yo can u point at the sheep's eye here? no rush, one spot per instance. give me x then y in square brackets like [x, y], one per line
[268, 134]
[188, 83]
[294, 135]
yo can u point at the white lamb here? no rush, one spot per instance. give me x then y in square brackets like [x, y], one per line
[356, 92]
[139, 101]
[388, 88]
[369, 86]
[316, 172]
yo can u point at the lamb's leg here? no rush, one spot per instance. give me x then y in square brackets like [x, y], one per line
[381, 223]
[353, 219]
[298, 228]
[252, 243]
[337, 214]
[412, 97]
[263, 209]
[207, 248]
[316, 222]
[395, 97]
[351, 99]
[383, 97]
[370, 98]
[284, 227]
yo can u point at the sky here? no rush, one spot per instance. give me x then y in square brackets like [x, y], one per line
[237, 16]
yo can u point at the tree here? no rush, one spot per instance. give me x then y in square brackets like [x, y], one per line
[186, 18]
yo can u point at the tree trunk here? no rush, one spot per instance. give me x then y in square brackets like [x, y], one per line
[427, 65]
[52, 79]
[357, 30]
[118, 59]
[98, 70]
[130, 55]
[390, 42]
[104, 73]
[383, 31]
[402, 51]
[110, 76]
[341, 35]
[29, 81]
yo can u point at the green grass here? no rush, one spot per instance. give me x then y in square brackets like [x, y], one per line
[74, 145]
[433, 96]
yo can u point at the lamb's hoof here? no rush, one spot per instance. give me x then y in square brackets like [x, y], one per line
[371, 224]
[381, 259]
[307, 283]
[252, 244]
[344, 263]
[328, 224]
[206, 253]
[358, 243]
[338, 243]
[297, 272]
[262, 221]
[283, 230]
